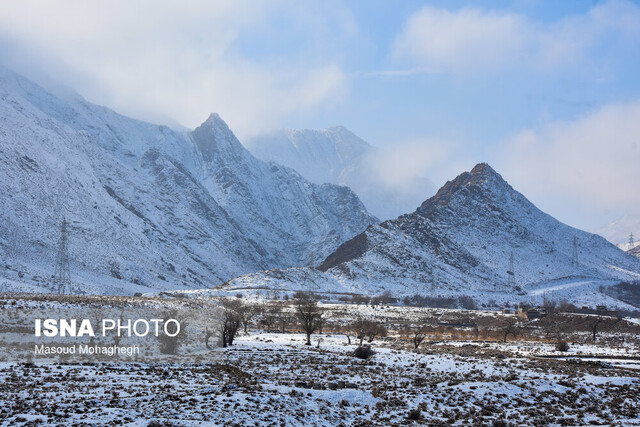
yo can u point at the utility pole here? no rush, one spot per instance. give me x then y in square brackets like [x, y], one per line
[62, 275]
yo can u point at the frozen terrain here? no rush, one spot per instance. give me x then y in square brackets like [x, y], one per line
[274, 379]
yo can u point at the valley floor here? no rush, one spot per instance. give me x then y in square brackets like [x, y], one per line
[274, 379]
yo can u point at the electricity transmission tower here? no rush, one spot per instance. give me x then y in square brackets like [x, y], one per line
[62, 275]
[631, 240]
[574, 257]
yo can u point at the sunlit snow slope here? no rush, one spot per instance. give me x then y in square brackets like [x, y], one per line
[149, 207]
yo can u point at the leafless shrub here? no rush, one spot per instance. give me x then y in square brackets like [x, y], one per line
[414, 414]
[562, 346]
[363, 328]
[364, 352]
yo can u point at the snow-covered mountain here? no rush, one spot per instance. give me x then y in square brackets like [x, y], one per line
[338, 156]
[476, 236]
[148, 206]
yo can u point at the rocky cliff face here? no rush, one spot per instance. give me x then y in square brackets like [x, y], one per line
[149, 207]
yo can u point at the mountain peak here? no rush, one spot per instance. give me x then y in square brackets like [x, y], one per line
[482, 173]
[483, 169]
[481, 178]
[214, 121]
[214, 135]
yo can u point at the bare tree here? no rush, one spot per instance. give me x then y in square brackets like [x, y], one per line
[557, 326]
[360, 299]
[369, 329]
[508, 326]
[593, 326]
[599, 323]
[230, 322]
[269, 319]
[359, 329]
[308, 313]
[419, 333]
[169, 344]
[384, 298]
[245, 311]
[374, 330]
[284, 318]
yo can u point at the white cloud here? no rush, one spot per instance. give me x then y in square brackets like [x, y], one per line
[180, 60]
[408, 161]
[464, 38]
[591, 163]
[472, 40]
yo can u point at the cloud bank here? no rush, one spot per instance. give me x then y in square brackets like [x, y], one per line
[181, 60]
[590, 164]
[473, 40]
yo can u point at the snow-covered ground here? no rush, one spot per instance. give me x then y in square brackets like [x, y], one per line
[274, 379]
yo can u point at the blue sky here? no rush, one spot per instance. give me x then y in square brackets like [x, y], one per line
[548, 92]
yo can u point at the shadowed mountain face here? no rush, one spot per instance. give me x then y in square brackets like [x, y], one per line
[468, 239]
[149, 207]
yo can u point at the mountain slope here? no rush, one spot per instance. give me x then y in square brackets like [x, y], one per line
[337, 156]
[463, 241]
[322, 155]
[149, 207]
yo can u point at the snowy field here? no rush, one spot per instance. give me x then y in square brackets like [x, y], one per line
[274, 379]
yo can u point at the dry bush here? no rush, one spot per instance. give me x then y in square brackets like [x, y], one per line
[364, 352]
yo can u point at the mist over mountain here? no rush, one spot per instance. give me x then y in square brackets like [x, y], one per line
[338, 156]
[619, 231]
[149, 207]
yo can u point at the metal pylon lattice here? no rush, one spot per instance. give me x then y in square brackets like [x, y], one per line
[574, 256]
[62, 275]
